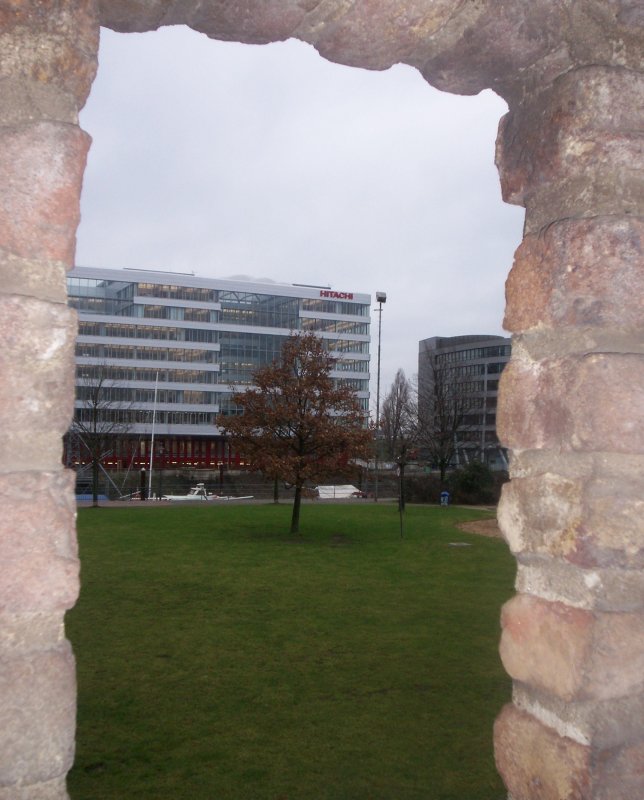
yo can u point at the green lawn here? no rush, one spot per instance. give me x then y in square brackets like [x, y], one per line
[219, 658]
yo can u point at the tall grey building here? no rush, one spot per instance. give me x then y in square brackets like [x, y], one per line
[469, 368]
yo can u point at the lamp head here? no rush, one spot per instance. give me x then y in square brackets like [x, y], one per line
[381, 297]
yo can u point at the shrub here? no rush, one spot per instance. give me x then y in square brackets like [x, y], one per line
[475, 483]
[422, 489]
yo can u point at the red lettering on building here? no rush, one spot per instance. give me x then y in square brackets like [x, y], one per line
[336, 295]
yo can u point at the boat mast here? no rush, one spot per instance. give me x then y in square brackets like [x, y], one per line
[154, 418]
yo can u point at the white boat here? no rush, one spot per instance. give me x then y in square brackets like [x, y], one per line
[198, 493]
[338, 492]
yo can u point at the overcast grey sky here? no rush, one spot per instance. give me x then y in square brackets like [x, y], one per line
[268, 161]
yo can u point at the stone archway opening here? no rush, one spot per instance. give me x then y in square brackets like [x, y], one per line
[571, 411]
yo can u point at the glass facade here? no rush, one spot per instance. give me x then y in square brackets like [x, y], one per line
[192, 341]
[472, 365]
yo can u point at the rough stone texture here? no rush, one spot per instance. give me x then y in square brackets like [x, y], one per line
[41, 170]
[40, 565]
[52, 43]
[459, 45]
[611, 416]
[572, 411]
[605, 724]
[49, 790]
[592, 522]
[572, 653]
[345, 32]
[37, 713]
[40, 335]
[563, 154]
[536, 763]
[587, 272]
[373, 35]
[539, 764]
[579, 341]
[247, 21]
[47, 64]
[619, 773]
[29, 101]
[555, 528]
[517, 46]
[546, 644]
[601, 589]
[30, 631]
[593, 402]
[43, 280]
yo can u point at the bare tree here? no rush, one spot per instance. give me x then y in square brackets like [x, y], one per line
[444, 405]
[399, 425]
[399, 419]
[99, 420]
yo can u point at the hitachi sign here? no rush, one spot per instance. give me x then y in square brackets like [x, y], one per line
[336, 295]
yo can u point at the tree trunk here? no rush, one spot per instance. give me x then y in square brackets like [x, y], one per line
[276, 490]
[295, 518]
[94, 482]
[401, 488]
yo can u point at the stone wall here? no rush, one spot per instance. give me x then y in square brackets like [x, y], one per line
[572, 412]
[47, 64]
[572, 399]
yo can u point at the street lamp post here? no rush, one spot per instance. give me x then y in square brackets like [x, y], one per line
[381, 298]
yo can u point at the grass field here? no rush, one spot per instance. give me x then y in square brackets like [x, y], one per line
[219, 658]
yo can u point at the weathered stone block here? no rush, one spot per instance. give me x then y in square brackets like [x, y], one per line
[38, 550]
[532, 410]
[38, 714]
[30, 631]
[616, 667]
[51, 43]
[43, 280]
[371, 35]
[28, 101]
[570, 652]
[588, 403]
[570, 465]
[606, 191]
[569, 152]
[600, 588]
[41, 171]
[611, 412]
[612, 532]
[592, 523]
[535, 762]
[619, 774]
[460, 46]
[490, 40]
[541, 514]
[36, 392]
[546, 645]
[584, 272]
[603, 724]
[55, 789]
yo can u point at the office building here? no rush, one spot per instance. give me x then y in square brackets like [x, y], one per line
[469, 367]
[171, 349]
